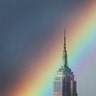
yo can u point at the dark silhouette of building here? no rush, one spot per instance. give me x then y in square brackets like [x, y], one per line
[64, 83]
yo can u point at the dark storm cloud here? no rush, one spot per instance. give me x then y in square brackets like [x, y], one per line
[25, 25]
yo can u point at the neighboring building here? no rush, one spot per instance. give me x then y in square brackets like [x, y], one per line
[64, 84]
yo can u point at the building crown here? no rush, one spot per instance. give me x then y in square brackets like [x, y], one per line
[64, 57]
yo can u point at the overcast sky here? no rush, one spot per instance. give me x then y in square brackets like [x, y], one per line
[27, 25]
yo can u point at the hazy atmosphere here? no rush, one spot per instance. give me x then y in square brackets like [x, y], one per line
[31, 45]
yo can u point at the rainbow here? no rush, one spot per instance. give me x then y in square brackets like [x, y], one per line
[81, 28]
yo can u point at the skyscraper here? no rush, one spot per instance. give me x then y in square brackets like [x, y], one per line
[64, 83]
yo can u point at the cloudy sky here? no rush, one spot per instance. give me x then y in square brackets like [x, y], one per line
[31, 42]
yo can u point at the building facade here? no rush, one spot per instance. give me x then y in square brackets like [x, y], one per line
[64, 83]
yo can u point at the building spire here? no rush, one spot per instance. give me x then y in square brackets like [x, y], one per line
[64, 51]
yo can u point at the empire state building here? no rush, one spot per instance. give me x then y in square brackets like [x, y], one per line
[64, 83]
